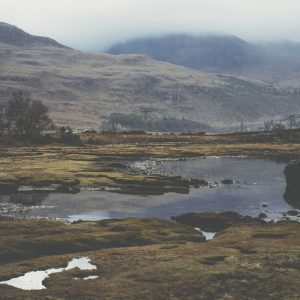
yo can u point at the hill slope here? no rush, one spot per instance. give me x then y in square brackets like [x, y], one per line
[83, 89]
[276, 63]
[210, 53]
[12, 35]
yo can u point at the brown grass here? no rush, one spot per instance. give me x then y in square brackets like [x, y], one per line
[173, 263]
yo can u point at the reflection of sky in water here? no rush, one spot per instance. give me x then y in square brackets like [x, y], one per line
[259, 181]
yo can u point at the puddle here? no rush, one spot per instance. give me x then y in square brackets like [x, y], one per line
[208, 235]
[34, 280]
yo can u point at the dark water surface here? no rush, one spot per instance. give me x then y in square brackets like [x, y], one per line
[256, 181]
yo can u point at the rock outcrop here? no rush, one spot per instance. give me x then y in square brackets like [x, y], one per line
[292, 192]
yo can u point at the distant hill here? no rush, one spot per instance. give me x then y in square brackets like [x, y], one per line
[276, 63]
[83, 89]
[207, 53]
[14, 36]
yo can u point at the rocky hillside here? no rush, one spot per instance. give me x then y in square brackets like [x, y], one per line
[83, 89]
[276, 63]
[12, 35]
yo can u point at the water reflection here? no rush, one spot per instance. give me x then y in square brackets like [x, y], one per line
[31, 199]
[21, 205]
[256, 181]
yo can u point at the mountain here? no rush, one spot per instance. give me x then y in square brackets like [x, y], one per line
[14, 36]
[83, 89]
[273, 63]
[208, 53]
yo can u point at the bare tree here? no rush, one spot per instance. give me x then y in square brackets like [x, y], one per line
[25, 117]
[39, 118]
[17, 114]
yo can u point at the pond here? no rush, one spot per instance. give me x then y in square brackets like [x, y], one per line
[258, 187]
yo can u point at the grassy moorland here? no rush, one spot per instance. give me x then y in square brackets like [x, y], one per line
[102, 160]
[153, 259]
[146, 258]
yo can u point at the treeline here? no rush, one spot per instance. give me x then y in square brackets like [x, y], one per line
[119, 122]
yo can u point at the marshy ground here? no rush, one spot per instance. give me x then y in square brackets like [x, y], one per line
[102, 159]
[145, 258]
[153, 259]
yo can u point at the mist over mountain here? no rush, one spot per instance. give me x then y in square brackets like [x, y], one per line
[83, 89]
[211, 53]
[276, 63]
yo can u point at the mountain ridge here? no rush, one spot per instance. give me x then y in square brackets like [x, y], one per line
[12, 35]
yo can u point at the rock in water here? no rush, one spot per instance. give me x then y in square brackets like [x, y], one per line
[227, 181]
[292, 175]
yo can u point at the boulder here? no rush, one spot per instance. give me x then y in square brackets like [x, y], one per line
[227, 181]
[292, 175]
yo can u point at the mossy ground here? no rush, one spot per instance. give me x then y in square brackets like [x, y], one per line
[152, 259]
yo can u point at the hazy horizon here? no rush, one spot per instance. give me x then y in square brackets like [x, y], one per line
[95, 25]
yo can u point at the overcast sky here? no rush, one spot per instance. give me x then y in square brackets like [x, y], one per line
[96, 24]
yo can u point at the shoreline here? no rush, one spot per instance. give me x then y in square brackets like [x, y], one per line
[68, 169]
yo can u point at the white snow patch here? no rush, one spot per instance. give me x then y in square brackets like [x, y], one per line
[34, 280]
[87, 278]
[83, 263]
[208, 235]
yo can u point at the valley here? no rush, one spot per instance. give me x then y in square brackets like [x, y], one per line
[170, 176]
[83, 89]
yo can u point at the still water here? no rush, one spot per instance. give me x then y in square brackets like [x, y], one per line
[256, 182]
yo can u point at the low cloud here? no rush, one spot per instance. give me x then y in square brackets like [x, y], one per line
[97, 24]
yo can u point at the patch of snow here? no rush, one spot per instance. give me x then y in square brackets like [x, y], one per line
[87, 278]
[34, 280]
[208, 235]
[83, 263]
